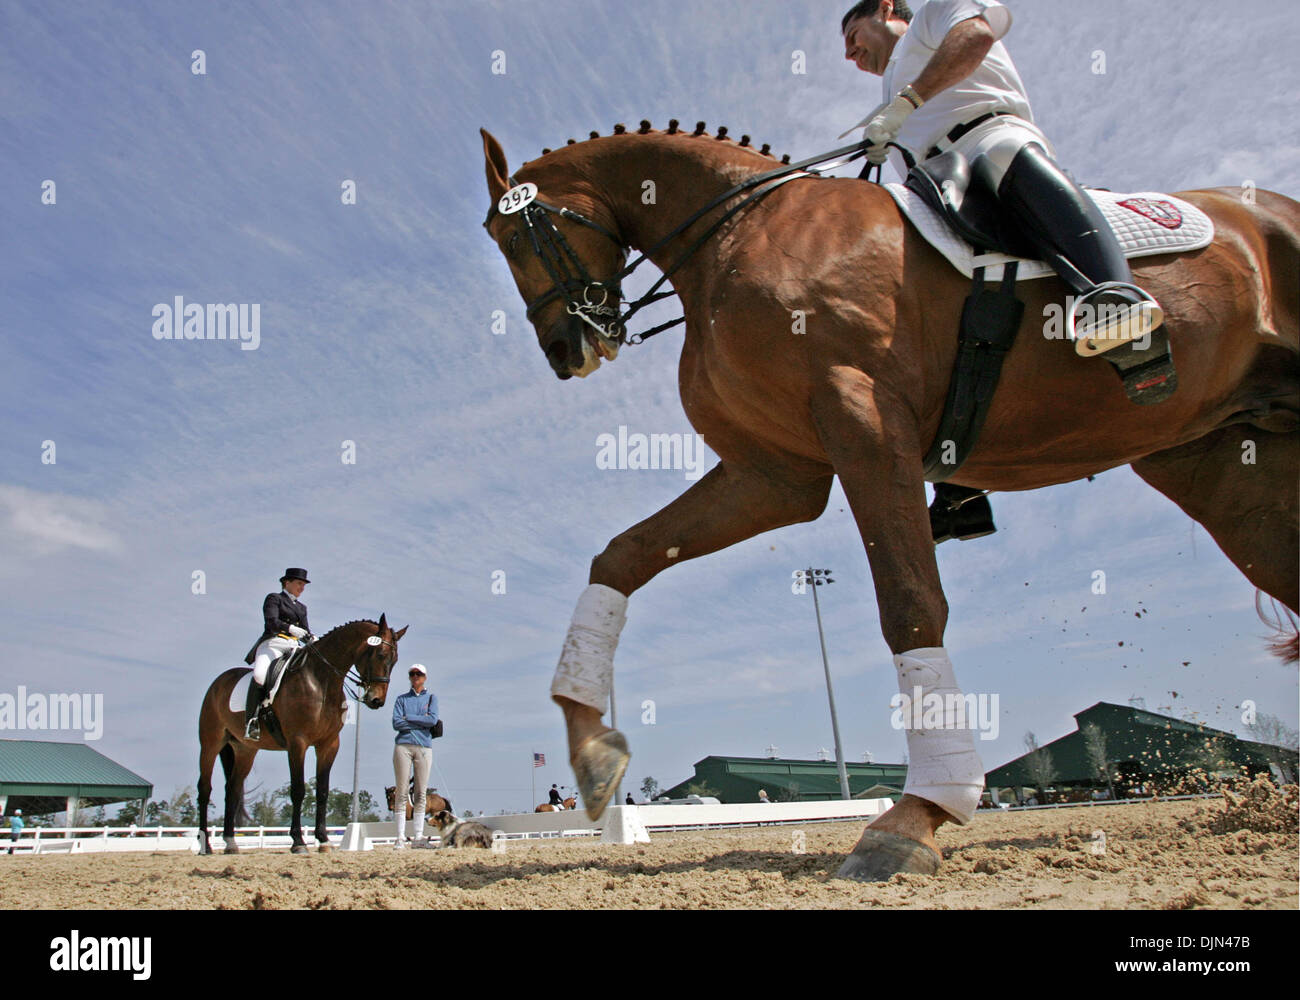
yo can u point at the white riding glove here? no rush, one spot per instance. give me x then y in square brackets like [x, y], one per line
[297, 631]
[886, 124]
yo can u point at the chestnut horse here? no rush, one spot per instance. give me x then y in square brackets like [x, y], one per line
[858, 392]
[310, 709]
[565, 806]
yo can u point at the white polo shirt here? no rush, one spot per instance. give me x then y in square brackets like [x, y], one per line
[993, 86]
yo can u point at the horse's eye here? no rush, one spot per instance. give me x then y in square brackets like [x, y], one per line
[512, 244]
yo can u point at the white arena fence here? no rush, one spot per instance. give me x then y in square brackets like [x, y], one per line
[620, 824]
[633, 824]
[100, 839]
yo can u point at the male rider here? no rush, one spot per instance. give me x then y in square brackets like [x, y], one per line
[949, 84]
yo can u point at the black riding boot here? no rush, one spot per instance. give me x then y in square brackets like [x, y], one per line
[253, 709]
[1070, 232]
[959, 512]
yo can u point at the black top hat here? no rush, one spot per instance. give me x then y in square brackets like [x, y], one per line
[294, 573]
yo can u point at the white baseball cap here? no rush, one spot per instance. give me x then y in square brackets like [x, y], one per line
[418, 668]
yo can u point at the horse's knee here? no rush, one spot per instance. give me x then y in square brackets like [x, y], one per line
[619, 565]
[913, 618]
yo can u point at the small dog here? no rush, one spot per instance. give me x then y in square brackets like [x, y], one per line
[461, 833]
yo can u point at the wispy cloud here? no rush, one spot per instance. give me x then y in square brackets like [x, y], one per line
[42, 523]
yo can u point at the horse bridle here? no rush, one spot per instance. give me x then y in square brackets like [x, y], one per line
[565, 268]
[361, 682]
[556, 256]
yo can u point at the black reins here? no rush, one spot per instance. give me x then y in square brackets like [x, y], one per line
[569, 276]
[356, 683]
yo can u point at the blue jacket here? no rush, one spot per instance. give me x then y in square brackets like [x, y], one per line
[413, 716]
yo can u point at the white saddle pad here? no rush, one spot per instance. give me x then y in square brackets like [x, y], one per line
[1145, 224]
[239, 693]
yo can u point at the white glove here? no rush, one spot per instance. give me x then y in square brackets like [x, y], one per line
[886, 125]
[872, 114]
[297, 631]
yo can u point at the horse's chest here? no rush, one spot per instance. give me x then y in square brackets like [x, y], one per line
[733, 389]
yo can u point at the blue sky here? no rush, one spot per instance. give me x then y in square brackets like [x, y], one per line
[471, 457]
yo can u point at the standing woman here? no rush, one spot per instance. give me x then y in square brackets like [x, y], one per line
[286, 624]
[414, 716]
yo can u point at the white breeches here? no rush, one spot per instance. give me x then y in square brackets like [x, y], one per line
[990, 148]
[272, 649]
[942, 765]
[586, 669]
[406, 757]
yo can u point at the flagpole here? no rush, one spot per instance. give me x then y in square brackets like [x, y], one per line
[532, 776]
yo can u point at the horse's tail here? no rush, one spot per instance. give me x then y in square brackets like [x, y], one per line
[1285, 643]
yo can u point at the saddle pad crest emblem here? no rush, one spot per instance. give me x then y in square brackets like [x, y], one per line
[1162, 213]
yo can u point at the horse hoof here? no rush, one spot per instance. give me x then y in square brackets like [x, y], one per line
[231, 847]
[325, 848]
[599, 767]
[206, 848]
[299, 849]
[880, 854]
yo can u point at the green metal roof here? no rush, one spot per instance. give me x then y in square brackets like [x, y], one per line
[39, 775]
[738, 779]
[1155, 744]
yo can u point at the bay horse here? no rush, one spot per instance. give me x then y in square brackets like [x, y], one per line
[858, 392]
[433, 802]
[566, 805]
[310, 708]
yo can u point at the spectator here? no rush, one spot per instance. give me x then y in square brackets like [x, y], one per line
[414, 716]
[15, 828]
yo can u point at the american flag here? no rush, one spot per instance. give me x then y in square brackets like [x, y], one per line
[539, 760]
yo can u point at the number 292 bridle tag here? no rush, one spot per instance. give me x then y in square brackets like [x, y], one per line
[517, 197]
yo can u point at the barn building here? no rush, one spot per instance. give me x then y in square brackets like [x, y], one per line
[1143, 751]
[738, 779]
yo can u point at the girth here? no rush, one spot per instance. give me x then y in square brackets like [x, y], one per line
[989, 321]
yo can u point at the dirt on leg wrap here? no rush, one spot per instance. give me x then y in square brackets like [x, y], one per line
[586, 667]
[942, 765]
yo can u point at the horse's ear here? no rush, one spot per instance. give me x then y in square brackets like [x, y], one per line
[495, 165]
[397, 635]
[383, 625]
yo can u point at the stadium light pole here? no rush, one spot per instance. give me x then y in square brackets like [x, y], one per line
[819, 578]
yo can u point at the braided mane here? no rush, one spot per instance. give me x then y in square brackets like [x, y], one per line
[645, 129]
[355, 621]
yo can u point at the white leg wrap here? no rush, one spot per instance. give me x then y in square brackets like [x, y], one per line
[942, 765]
[586, 665]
